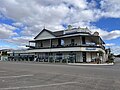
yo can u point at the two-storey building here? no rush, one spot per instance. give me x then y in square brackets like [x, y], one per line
[73, 45]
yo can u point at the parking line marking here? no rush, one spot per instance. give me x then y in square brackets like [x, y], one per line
[17, 76]
[38, 86]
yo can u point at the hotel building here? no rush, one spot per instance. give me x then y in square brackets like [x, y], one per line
[73, 45]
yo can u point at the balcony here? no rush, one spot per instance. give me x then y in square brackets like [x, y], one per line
[69, 46]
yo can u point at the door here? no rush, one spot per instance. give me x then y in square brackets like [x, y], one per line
[84, 56]
[59, 42]
[83, 40]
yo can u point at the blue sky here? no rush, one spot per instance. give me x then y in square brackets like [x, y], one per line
[108, 24]
[22, 20]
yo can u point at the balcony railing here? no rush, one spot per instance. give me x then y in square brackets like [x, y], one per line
[69, 45]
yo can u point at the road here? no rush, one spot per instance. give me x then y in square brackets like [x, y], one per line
[33, 76]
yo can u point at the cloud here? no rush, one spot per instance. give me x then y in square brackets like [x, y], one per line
[23, 40]
[110, 44]
[115, 49]
[5, 47]
[110, 8]
[106, 35]
[112, 35]
[18, 24]
[7, 31]
[21, 47]
[49, 13]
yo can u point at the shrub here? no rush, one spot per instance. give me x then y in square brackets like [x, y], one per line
[110, 59]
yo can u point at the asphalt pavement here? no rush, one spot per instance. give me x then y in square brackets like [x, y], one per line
[36, 76]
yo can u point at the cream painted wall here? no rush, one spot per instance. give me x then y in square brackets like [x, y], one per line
[88, 40]
[79, 57]
[55, 42]
[91, 55]
[38, 44]
[46, 43]
[45, 35]
[66, 41]
[77, 39]
[88, 57]
[94, 55]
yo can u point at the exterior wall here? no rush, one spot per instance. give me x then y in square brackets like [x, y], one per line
[46, 43]
[94, 55]
[88, 57]
[79, 57]
[65, 55]
[80, 40]
[55, 42]
[45, 35]
[66, 41]
[38, 44]
[77, 39]
[91, 56]
[88, 40]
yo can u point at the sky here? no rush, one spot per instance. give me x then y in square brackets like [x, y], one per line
[22, 20]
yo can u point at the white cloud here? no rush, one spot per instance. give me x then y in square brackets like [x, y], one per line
[20, 40]
[7, 31]
[106, 35]
[110, 44]
[22, 47]
[49, 13]
[112, 35]
[18, 24]
[115, 49]
[5, 47]
[110, 8]
[81, 4]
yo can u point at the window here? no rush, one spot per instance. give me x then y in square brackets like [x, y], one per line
[46, 55]
[59, 56]
[72, 57]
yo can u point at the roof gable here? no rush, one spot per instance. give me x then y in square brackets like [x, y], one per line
[44, 34]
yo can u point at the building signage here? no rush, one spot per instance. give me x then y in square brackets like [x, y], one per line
[90, 48]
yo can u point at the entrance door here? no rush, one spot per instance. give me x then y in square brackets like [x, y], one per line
[84, 56]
